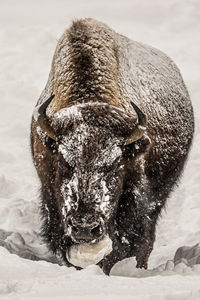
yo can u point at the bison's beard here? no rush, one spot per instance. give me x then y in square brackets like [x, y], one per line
[83, 255]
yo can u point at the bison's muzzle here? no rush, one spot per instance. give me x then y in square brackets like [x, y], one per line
[85, 233]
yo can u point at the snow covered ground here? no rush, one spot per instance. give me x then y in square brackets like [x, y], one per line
[28, 36]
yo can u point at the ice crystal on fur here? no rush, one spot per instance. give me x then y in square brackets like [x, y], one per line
[89, 168]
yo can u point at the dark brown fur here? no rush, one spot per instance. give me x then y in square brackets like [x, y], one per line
[91, 71]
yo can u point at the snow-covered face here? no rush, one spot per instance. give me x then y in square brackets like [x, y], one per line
[90, 178]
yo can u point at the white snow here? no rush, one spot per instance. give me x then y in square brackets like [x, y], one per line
[86, 254]
[28, 36]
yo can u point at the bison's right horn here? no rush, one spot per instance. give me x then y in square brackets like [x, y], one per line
[41, 118]
[141, 126]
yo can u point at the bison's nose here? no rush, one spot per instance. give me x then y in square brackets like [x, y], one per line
[86, 233]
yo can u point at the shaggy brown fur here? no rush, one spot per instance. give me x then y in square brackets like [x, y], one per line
[85, 65]
[94, 65]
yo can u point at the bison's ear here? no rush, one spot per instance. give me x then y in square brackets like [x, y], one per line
[138, 147]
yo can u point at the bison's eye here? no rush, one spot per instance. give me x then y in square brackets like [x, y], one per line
[64, 166]
[61, 165]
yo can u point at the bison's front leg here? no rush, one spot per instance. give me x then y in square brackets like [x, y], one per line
[137, 217]
[142, 233]
[143, 244]
[131, 245]
[123, 248]
[119, 252]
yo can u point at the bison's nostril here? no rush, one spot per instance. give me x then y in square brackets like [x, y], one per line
[86, 233]
[95, 230]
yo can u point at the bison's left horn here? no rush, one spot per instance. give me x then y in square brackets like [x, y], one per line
[41, 118]
[141, 126]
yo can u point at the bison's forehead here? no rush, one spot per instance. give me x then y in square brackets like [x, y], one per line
[89, 150]
[86, 146]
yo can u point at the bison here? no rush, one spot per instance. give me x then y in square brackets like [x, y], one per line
[110, 135]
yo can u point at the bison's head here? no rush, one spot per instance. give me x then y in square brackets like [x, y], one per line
[90, 139]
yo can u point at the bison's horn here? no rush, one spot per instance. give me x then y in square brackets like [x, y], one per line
[41, 118]
[141, 126]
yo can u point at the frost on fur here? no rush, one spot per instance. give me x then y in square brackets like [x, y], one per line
[113, 129]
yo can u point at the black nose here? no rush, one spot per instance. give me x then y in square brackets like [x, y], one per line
[86, 233]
